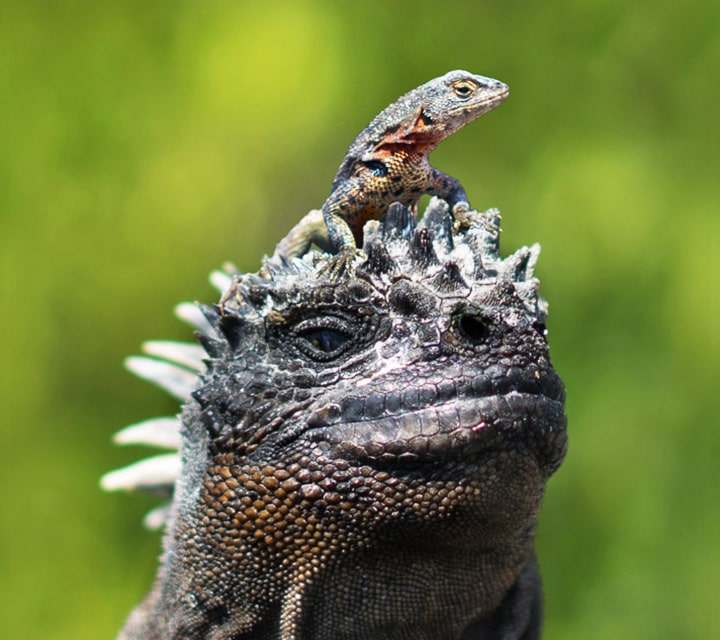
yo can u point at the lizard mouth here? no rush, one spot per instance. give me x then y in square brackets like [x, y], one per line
[453, 429]
[498, 96]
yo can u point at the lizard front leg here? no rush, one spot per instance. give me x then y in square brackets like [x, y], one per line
[313, 229]
[334, 229]
[341, 237]
[344, 220]
[450, 190]
[346, 211]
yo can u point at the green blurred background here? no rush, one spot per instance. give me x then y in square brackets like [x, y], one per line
[144, 143]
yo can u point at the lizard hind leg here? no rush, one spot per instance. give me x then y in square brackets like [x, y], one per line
[343, 220]
[342, 237]
[310, 230]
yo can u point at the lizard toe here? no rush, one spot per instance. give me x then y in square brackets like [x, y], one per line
[338, 265]
[463, 215]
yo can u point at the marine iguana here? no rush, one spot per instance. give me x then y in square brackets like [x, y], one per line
[363, 457]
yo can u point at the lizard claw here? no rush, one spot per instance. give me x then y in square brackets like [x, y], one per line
[465, 218]
[463, 215]
[338, 265]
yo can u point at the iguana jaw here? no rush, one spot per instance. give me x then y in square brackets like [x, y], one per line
[449, 431]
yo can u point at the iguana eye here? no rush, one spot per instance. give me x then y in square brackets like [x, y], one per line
[323, 338]
[464, 89]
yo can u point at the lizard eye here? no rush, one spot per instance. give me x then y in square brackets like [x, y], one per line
[464, 89]
[323, 338]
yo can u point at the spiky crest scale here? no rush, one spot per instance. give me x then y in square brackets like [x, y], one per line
[438, 257]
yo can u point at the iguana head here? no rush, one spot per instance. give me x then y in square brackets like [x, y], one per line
[350, 439]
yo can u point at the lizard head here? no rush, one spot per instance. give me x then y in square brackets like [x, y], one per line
[456, 99]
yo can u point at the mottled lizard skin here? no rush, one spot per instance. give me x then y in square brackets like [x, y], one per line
[389, 162]
[364, 456]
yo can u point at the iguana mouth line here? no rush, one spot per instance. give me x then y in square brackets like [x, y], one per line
[440, 430]
[377, 404]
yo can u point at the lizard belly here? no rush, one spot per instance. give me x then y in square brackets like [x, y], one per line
[356, 219]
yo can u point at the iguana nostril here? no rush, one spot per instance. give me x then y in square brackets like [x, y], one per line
[472, 327]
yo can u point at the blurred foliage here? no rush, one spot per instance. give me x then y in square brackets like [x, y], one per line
[146, 143]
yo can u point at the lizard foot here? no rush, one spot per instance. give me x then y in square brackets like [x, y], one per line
[465, 217]
[338, 265]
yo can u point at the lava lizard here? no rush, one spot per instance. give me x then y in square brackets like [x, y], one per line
[389, 162]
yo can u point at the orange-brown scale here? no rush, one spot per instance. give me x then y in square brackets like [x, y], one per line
[294, 521]
[409, 175]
